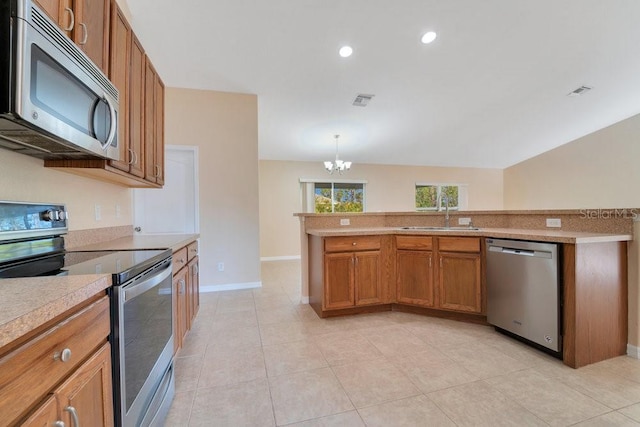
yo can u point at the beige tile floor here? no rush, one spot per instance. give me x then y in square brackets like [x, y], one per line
[260, 358]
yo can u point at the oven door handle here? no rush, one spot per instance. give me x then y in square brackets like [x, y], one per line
[140, 288]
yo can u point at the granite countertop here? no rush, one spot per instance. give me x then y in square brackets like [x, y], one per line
[556, 236]
[31, 302]
[28, 303]
[143, 241]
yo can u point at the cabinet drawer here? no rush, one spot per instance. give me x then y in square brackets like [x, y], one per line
[192, 251]
[416, 243]
[30, 372]
[459, 244]
[179, 259]
[351, 243]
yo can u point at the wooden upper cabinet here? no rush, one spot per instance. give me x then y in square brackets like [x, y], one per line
[153, 125]
[136, 107]
[91, 30]
[119, 67]
[56, 11]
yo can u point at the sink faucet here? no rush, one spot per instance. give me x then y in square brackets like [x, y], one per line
[445, 200]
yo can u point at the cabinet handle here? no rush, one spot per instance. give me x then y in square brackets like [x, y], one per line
[181, 260]
[63, 356]
[72, 21]
[132, 154]
[430, 262]
[354, 243]
[86, 34]
[440, 262]
[196, 270]
[74, 415]
[157, 168]
[181, 286]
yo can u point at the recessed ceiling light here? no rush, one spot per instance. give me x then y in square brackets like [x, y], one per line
[345, 51]
[428, 37]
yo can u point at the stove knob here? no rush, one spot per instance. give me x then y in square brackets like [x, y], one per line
[62, 215]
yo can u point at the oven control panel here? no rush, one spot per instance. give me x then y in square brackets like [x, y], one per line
[20, 220]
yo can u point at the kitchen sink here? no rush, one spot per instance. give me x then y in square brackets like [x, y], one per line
[462, 228]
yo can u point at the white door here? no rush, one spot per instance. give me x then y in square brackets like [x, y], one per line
[174, 208]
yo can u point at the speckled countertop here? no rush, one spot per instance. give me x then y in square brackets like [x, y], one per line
[500, 233]
[30, 302]
[143, 241]
[27, 303]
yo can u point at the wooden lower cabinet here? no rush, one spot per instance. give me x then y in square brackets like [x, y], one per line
[62, 372]
[414, 284]
[186, 291]
[180, 323]
[352, 279]
[459, 281]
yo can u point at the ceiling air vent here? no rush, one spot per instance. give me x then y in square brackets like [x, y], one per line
[362, 100]
[580, 91]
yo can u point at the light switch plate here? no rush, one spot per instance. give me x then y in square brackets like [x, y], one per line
[554, 222]
[345, 221]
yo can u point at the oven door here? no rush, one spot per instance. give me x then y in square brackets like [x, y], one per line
[144, 345]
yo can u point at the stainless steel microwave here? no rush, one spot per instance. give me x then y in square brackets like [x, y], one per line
[55, 103]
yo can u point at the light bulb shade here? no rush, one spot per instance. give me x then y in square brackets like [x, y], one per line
[328, 166]
[347, 165]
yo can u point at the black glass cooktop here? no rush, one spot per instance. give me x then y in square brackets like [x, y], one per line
[122, 265]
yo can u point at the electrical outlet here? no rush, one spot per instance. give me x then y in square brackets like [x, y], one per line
[464, 221]
[345, 221]
[554, 222]
[221, 266]
[98, 211]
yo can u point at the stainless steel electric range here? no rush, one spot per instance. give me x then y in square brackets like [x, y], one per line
[32, 244]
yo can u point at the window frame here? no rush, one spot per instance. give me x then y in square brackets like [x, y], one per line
[308, 193]
[439, 207]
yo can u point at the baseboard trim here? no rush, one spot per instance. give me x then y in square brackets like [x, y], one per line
[280, 258]
[633, 351]
[230, 287]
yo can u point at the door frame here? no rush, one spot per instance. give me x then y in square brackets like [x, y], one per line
[196, 187]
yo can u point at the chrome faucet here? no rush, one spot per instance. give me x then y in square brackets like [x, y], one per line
[445, 200]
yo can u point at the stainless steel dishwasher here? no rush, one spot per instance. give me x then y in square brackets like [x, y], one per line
[523, 291]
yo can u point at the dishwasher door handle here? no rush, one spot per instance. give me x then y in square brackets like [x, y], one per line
[521, 252]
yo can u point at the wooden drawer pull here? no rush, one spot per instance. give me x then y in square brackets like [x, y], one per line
[63, 356]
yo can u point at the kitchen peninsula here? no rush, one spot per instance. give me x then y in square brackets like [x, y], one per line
[409, 262]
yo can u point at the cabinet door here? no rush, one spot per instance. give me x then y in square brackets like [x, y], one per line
[45, 416]
[460, 282]
[119, 64]
[150, 169]
[56, 9]
[339, 281]
[414, 278]
[87, 393]
[194, 290]
[159, 125]
[136, 107]
[180, 308]
[368, 286]
[91, 31]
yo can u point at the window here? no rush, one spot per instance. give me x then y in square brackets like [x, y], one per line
[432, 197]
[338, 197]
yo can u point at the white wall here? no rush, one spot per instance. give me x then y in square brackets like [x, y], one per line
[389, 189]
[225, 128]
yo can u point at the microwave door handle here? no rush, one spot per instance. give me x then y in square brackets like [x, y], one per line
[112, 128]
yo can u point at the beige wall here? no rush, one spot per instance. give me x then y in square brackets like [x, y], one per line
[224, 127]
[599, 170]
[389, 188]
[24, 178]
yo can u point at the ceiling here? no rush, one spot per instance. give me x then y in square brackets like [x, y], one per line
[490, 91]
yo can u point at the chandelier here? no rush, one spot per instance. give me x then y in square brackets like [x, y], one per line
[337, 165]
